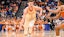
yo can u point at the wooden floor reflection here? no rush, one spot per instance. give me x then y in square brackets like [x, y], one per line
[35, 34]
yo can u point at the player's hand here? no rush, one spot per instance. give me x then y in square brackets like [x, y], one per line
[22, 21]
[47, 7]
[40, 14]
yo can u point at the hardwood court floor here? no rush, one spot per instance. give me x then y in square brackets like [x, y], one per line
[35, 34]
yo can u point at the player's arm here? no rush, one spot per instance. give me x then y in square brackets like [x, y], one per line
[39, 9]
[24, 14]
[57, 16]
[55, 11]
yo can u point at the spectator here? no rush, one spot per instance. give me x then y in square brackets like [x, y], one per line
[2, 13]
[15, 9]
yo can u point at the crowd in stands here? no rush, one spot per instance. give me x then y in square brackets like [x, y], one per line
[9, 10]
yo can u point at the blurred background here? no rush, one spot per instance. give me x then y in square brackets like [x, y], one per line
[11, 12]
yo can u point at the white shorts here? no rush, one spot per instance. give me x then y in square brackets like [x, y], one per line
[31, 24]
[58, 22]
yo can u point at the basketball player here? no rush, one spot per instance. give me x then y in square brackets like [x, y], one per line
[29, 17]
[60, 11]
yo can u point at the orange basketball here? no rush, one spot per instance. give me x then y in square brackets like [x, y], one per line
[62, 14]
[40, 27]
[9, 28]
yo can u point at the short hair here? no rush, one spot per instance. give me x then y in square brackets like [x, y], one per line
[30, 1]
[62, 1]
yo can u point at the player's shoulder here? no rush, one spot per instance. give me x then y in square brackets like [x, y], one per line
[36, 6]
[26, 8]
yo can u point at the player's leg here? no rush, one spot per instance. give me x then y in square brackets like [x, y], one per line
[26, 24]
